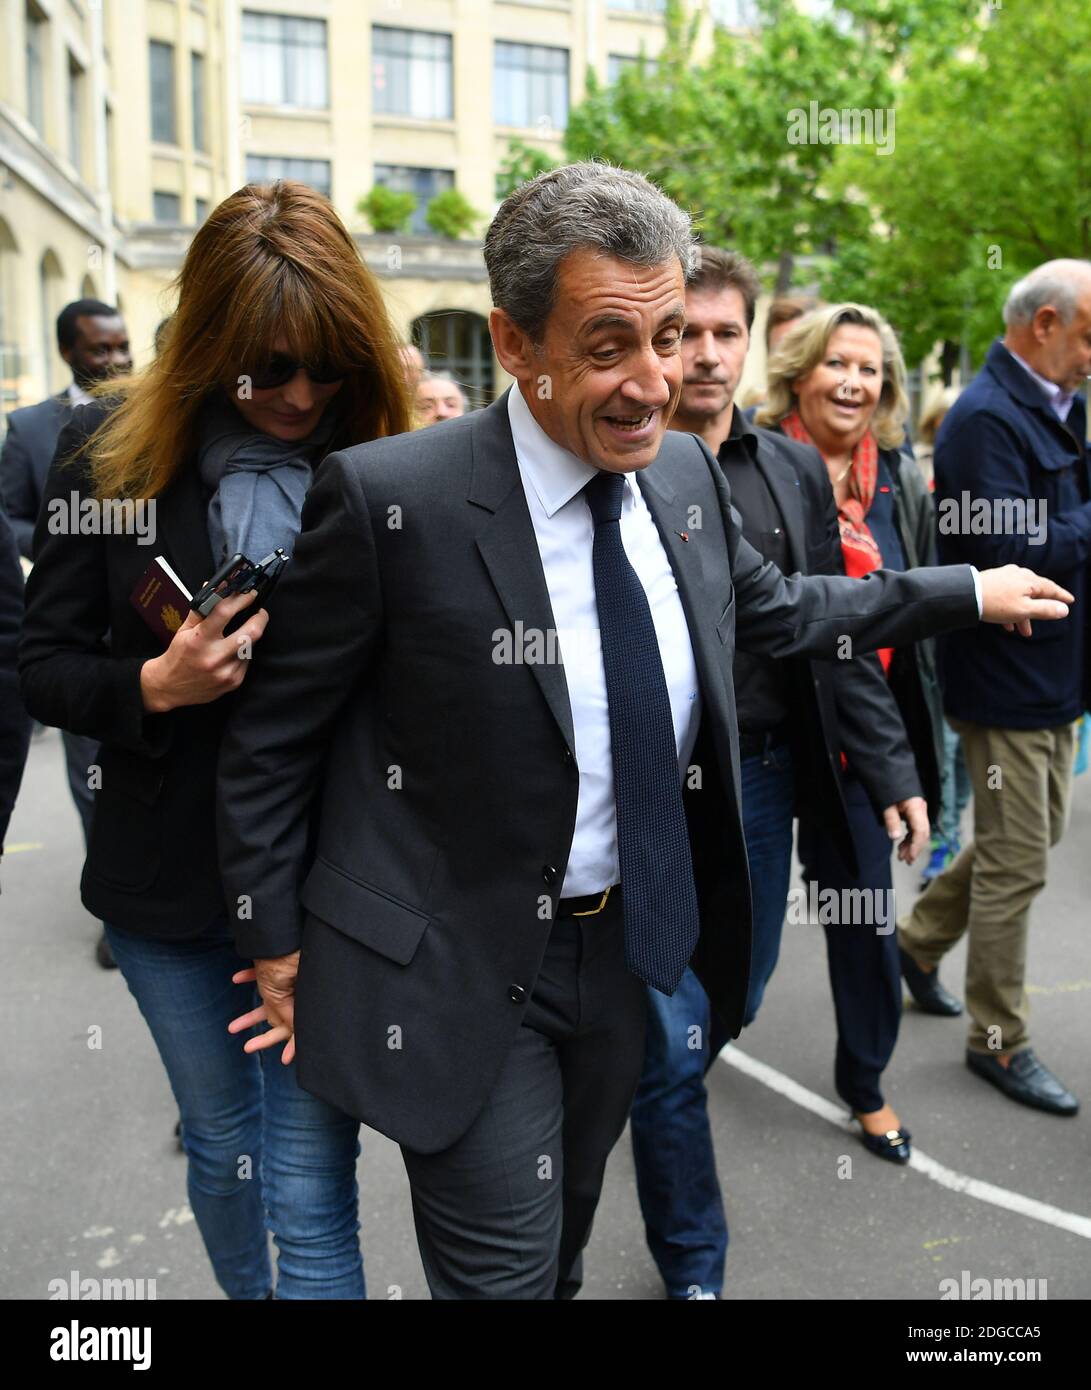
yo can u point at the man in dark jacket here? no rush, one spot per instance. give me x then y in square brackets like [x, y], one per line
[1012, 484]
[795, 717]
[14, 724]
[92, 339]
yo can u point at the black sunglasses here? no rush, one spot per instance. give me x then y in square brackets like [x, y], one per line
[279, 370]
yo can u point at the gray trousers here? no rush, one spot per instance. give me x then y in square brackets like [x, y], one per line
[506, 1211]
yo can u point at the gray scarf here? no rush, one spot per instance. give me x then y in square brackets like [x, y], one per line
[258, 483]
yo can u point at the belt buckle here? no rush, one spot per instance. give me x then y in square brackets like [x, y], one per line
[594, 911]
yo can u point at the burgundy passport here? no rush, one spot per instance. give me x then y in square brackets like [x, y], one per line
[161, 599]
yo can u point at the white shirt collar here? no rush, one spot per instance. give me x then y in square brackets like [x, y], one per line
[1060, 400]
[77, 395]
[555, 474]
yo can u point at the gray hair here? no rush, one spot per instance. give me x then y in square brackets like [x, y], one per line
[1056, 284]
[593, 206]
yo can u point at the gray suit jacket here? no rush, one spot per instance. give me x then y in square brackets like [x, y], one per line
[28, 450]
[401, 806]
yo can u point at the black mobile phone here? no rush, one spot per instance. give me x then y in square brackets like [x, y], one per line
[238, 574]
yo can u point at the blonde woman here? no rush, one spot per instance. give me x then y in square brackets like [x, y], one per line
[837, 381]
[279, 352]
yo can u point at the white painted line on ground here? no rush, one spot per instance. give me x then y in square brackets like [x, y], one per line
[938, 1172]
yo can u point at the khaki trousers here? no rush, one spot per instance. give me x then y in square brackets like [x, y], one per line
[1022, 781]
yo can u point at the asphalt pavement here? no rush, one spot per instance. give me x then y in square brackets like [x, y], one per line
[92, 1180]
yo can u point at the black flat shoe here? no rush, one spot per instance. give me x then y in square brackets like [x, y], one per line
[104, 955]
[928, 994]
[1025, 1080]
[893, 1145]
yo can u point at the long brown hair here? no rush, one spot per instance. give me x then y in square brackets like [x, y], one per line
[271, 261]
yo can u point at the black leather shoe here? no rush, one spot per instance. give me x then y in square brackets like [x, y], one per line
[1026, 1080]
[928, 994]
[893, 1145]
[104, 955]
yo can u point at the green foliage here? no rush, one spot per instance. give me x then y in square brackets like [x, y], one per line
[522, 162]
[991, 175]
[387, 210]
[450, 214]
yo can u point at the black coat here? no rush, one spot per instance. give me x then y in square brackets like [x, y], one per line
[14, 724]
[893, 758]
[151, 862]
[913, 678]
[446, 812]
[845, 705]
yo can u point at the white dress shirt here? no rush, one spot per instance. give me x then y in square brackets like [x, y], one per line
[552, 481]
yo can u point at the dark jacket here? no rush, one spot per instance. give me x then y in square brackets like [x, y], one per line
[27, 452]
[151, 862]
[14, 723]
[1001, 441]
[842, 705]
[447, 809]
[912, 676]
[894, 759]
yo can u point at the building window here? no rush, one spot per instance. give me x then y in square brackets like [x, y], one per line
[108, 117]
[735, 14]
[458, 342]
[200, 210]
[411, 73]
[161, 58]
[51, 299]
[197, 80]
[166, 207]
[284, 61]
[36, 69]
[638, 6]
[530, 86]
[425, 183]
[617, 63]
[264, 168]
[75, 107]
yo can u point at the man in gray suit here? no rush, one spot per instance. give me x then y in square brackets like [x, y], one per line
[92, 339]
[506, 848]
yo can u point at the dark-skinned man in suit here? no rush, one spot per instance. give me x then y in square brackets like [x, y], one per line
[94, 342]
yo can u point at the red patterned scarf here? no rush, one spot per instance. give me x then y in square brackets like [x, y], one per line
[858, 546]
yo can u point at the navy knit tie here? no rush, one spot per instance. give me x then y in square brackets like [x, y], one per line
[658, 893]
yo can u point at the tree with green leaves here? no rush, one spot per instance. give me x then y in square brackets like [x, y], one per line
[991, 176]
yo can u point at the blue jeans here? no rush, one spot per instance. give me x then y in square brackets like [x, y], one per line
[956, 790]
[262, 1153]
[672, 1142]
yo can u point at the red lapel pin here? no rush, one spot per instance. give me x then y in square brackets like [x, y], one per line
[684, 535]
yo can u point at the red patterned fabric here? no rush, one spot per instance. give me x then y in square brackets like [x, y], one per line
[862, 554]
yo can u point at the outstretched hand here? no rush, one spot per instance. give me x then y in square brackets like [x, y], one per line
[1013, 596]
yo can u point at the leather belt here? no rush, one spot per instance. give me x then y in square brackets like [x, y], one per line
[590, 905]
[756, 745]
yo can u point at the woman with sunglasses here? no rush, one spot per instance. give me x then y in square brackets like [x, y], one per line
[279, 352]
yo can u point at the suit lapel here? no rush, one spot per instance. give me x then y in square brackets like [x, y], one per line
[686, 553]
[509, 548]
[781, 479]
